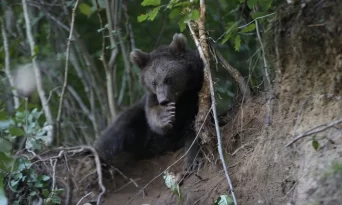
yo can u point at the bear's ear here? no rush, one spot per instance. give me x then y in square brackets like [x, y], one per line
[178, 43]
[139, 57]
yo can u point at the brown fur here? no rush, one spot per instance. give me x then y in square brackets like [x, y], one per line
[163, 119]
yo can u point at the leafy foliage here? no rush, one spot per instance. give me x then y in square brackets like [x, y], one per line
[233, 30]
[19, 176]
[34, 132]
[183, 11]
[171, 183]
[85, 9]
[224, 200]
[28, 186]
[231, 26]
[315, 143]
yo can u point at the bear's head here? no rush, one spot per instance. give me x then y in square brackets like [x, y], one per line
[170, 71]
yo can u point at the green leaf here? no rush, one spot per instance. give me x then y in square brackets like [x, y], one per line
[23, 164]
[265, 5]
[251, 3]
[229, 32]
[226, 38]
[3, 115]
[224, 200]
[20, 115]
[58, 191]
[153, 13]
[6, 124]
[55, 199]
[85, 9]
[142, 17]
[182, 26]
[179, 4]
[150, 3]
[5, 161]
[14, 184]
[33, 193]
[315, 143]
[249, 28]
[194, 15]
[36, 49]
[237, 42]
[45, 193]
[45, 177]
[150, 15]
[258, 14]
[174, 13]
[38, 184]
[5, 145]
[3, 199]
[241, 1]
[16, 131]
[172, 183]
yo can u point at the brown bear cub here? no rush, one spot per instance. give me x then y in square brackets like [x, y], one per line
[163, 120]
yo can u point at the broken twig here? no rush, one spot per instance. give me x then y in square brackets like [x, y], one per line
[315, 130]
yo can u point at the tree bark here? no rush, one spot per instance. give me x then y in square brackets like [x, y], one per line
[38, 76]
[7, 66]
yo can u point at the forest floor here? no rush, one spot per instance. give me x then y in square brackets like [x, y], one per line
[306, 100]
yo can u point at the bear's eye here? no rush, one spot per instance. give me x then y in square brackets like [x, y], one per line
[168, 80]
[153, 83]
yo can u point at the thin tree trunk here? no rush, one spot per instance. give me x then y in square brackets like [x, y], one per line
[207, 94]
[7, 66]
[65, 82]
[36, 69]
[109, 67]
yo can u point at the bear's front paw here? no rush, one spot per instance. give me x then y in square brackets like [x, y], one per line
[168, 116]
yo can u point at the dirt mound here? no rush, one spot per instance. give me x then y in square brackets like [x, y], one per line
[306, 101]
[307, 95]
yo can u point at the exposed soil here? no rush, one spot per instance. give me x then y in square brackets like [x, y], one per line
[307, 93]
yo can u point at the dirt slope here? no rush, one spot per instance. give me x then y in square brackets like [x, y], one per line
[306, 94]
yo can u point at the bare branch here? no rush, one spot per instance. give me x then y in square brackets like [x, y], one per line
[83, 197]
[315, 130]
[268, 81]
[36, 69]
[127, 68]
[7, 66]
[263, 53]
[236, 75]
[128, 25]
[109, 67]
[60, 108]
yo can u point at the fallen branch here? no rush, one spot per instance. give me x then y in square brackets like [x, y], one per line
[315, 130]
[73, 151]
[98, 169]
[79, 202]
[129, 179]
